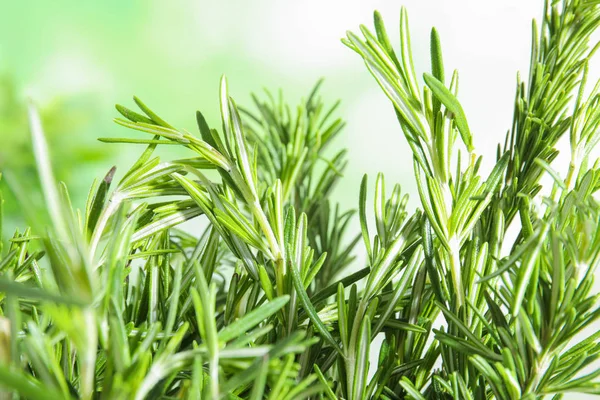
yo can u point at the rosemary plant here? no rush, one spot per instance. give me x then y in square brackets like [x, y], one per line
[117, 301]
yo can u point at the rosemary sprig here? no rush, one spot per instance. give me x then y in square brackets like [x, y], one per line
[117, 301]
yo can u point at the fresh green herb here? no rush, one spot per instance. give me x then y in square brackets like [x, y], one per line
[118, 302]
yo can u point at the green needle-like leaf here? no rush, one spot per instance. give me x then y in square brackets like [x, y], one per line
[253, 318]
[451, 103]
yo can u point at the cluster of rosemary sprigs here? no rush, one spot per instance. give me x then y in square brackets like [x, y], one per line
[118, 302]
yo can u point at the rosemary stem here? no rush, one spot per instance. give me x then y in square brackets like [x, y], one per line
[455, 271]
[538, 371]
[259, 214]
[352, 345]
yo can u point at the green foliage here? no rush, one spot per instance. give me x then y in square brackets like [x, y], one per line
[119, 302]
[67, 124]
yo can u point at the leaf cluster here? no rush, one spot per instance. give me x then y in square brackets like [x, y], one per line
[117, 301]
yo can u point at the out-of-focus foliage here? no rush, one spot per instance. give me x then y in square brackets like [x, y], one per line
[67, 124]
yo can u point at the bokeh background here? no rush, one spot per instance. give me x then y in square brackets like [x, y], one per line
[76, 58]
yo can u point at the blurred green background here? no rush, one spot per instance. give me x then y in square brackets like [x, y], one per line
[75, 59]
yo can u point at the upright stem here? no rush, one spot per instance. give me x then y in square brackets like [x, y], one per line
[259, 214]
[350, 351]
[570, 175]
[88, 355]
[455, 271]
[538, 371]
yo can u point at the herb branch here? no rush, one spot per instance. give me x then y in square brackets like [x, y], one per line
[117, 301]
